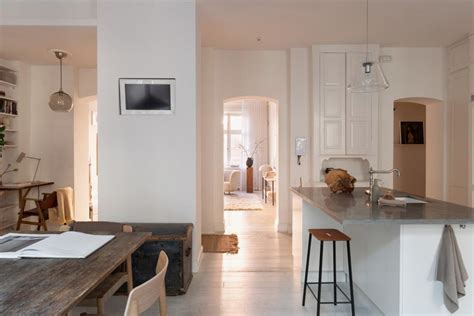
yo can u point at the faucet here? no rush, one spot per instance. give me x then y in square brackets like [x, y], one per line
[371, 177]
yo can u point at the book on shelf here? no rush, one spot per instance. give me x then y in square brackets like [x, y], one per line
[74, 245]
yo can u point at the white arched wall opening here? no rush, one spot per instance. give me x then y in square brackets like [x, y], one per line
[270, 102]
[435, 153]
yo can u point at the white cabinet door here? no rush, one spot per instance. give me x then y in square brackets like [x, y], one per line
[360, 114]
[333, 103]
[458, 98]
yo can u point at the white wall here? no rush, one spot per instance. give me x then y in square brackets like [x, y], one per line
[414, 72]
[228, 74]
[85, 93]
[300, 117]
[148, 164]
[52, 133]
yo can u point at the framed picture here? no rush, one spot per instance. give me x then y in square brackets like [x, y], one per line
[411, 133]
[147, 96]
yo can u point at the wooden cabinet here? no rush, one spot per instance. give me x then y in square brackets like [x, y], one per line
[348, 121]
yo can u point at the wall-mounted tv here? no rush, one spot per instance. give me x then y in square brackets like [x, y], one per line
[147, 96]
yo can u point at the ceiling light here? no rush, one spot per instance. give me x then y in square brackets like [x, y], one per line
[369, 77]
[60, 101]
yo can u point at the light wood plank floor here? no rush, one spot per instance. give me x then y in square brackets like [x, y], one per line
[260, 280]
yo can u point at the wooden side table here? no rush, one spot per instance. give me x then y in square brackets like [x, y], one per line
[250, 180]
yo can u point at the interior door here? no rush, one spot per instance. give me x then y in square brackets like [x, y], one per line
[333, 93]
[359, 113]
[459, 186]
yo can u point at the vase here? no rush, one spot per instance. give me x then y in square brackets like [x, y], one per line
[249, 162]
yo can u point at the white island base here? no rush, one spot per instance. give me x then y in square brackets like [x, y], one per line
[393, 264]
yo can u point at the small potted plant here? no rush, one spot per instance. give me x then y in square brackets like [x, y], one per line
[249, 161]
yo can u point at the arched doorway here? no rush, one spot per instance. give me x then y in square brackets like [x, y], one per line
[250, 129]
[419, 150]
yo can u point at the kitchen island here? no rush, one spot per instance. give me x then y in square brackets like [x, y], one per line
[394, 249]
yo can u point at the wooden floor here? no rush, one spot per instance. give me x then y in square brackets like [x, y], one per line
[260, 280]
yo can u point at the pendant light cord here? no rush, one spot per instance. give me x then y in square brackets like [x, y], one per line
[60, 74]
[367, 31]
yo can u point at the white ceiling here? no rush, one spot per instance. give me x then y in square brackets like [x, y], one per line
[236, 24]
[31, 44]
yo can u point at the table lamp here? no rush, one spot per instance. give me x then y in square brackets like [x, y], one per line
[22, 156]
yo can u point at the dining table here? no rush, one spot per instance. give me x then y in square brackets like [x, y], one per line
[55, 286]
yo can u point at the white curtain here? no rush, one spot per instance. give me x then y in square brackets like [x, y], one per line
[254, 130]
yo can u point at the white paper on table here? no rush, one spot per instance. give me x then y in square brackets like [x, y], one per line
[65, 245]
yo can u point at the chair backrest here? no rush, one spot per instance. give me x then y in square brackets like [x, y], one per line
[101, 226]
[145, 295]
[235, 179]
[264, 169]
[49, 201]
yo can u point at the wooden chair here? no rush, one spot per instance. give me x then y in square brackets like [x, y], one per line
[49, 200]
[144, 296]
[99, 296]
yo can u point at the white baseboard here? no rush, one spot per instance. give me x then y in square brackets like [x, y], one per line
[197, 263]
[219, 227]
[283, 228]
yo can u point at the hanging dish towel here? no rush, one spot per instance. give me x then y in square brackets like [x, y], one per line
[451, 270]
[64, 213]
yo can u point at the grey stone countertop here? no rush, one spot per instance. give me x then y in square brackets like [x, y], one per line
[353, 208]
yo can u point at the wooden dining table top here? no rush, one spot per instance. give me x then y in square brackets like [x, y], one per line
[54, 286]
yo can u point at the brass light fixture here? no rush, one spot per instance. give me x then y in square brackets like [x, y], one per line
[60, 101]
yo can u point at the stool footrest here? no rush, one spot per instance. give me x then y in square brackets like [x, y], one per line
[332, 302]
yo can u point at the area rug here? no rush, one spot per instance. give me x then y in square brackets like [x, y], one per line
[241, 201]
[220, 243]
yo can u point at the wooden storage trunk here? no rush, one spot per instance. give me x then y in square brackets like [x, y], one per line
[176, 240]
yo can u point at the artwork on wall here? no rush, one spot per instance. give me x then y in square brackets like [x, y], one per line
[147, 96]
[411, 133]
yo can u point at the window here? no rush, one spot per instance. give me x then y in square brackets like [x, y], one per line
[232, 139]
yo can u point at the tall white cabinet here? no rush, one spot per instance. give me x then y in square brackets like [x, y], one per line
[346, 124]
[460, 169]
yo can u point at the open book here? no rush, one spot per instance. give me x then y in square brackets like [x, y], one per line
[65, 245]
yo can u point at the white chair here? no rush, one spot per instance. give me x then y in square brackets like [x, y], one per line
[231, 181]
[263, 169]
[145, 295]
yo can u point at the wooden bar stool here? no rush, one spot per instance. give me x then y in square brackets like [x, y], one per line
[328, 235]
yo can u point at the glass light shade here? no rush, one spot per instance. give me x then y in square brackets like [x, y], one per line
[368, 78]
[60, 102]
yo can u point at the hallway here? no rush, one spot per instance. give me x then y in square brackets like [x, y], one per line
[258, 281]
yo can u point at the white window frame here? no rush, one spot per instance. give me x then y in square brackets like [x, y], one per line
[228, 132]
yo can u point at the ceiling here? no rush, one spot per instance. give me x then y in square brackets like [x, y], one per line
[31, 44]
[236, 24]
[280, 24]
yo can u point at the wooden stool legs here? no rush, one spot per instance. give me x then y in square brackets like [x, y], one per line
[350, 300]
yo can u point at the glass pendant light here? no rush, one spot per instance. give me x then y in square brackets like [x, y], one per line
[60, 101]
[369, 77]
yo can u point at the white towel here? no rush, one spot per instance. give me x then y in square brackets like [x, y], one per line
[451, 270]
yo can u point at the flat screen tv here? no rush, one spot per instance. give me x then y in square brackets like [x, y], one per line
[147, 96]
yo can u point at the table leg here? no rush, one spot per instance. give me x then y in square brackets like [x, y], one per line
[263, 186]
[273, 193]
[129, 274]
[265, 193]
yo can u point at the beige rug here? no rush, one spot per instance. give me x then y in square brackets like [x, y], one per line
[220, 243]
[242, 201]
